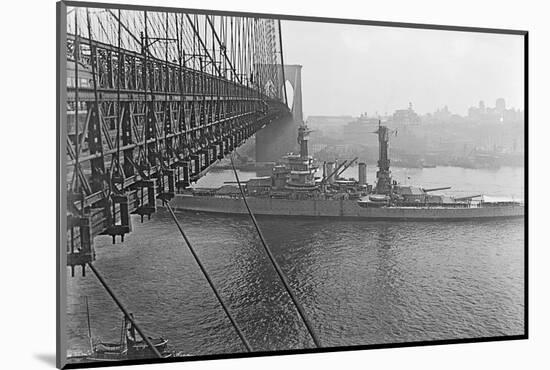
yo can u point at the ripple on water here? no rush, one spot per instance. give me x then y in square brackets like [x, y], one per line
[360, 282]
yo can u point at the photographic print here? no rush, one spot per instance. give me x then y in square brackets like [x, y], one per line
[239, 184]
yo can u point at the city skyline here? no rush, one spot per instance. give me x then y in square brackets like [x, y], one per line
[364, 71]
[481, 104]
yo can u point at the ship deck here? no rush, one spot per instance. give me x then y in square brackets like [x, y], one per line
[338, 209]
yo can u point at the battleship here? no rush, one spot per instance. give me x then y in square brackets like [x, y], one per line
[293, 190]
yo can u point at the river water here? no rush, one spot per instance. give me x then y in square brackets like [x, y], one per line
[359, 282]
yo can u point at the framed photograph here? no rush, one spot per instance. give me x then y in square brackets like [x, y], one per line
[238, 184]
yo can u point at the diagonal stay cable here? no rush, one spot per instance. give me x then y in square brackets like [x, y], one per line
[205, 273]
[123, 309]
[274, 262]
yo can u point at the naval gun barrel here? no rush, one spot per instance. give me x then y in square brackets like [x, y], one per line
[234, 182]
[436, 189]
[347, 166]
[469, 197]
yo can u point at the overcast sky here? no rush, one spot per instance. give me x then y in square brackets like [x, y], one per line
[349, 69]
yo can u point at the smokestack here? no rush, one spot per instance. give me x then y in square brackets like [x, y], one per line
[362, 173]
[330, 170]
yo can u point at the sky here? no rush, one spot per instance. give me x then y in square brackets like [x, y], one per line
[350, 69]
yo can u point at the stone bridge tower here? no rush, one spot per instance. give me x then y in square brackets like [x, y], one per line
[279, 138]
[293, 74]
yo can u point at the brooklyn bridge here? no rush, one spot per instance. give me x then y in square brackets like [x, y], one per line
[153, 100]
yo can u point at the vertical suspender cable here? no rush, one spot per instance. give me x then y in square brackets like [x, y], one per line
[93, 60]
[119, 117]
[205, 273]
[145, 50]
[282, 61]
[275, 264]
[93, 57]
[76, 51]
[122, 330]
[167, 103]
[182, 129]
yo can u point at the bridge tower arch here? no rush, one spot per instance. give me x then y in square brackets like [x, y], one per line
[274, 141]
[293, 74]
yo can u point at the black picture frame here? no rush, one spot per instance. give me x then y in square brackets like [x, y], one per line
[61, 194]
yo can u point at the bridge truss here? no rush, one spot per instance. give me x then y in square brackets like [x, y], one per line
[153, 100]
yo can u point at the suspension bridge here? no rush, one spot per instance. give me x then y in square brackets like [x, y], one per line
[153, 100]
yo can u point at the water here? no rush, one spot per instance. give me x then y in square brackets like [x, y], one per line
[359, 282]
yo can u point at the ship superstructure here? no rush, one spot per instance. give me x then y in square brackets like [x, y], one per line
[300, 167]
[295, 176]
[389, 193]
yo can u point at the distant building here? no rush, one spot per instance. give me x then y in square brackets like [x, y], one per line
[405, 117]
[500, 106]
[482, 106]
[498, 114]
[442, 115]
[361, 130]
[328, 125]
[327, 120]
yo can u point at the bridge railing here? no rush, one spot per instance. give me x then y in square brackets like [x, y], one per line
[162, 77]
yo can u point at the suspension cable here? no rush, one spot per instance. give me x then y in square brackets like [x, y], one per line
[282, 61]
[274, 262]
[120, 66]
[145, 50]
[205, 273]
[76, 51]
[123, 309]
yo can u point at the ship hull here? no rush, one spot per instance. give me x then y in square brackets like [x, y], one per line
[338, 208]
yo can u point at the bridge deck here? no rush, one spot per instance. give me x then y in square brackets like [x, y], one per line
[146, 117]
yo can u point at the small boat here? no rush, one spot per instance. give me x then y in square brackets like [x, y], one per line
[137, 347]
[130, 346]
[103, 351]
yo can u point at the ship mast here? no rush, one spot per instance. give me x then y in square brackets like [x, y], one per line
[89, 325]
[383, 175]
[303, 137]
